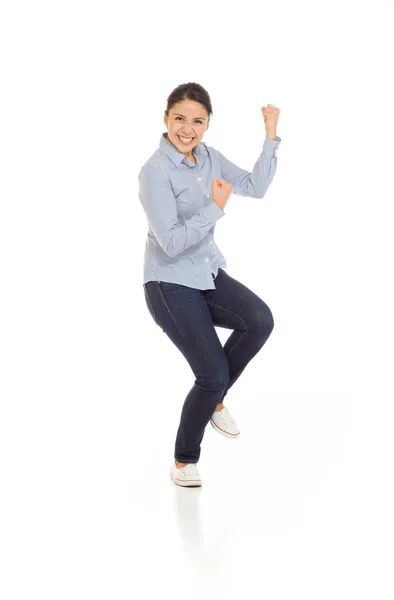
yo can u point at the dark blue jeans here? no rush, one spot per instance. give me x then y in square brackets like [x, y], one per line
[189, 316]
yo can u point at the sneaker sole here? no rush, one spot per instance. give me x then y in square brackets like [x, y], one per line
[225, 433]
[193, 483]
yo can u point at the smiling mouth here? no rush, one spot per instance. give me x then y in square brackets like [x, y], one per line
[185, 141]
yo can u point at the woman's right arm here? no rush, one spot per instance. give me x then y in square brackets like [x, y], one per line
[158, 201]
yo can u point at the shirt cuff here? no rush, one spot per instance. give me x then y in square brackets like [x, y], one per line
[213, 212]
[270, 146]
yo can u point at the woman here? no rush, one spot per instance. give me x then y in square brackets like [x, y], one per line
[184, 188]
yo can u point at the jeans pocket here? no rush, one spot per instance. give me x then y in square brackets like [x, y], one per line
[168, 287]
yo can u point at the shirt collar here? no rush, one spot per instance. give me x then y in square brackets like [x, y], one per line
[174, 154]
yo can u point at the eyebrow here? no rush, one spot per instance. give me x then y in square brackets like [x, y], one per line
[179, 115]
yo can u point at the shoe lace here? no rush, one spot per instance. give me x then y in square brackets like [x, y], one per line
[186, 470]
[225, 417]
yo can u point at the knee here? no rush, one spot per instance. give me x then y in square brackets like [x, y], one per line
[220, 376]
[215, 377]
[270, 320]
[265, 318]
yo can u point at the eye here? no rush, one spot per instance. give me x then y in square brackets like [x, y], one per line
[198, 121]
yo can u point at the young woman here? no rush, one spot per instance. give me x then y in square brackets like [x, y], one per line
[184, 187]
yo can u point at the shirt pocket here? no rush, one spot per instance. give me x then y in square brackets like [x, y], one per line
[189, 196]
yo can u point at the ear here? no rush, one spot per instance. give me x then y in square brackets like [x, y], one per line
[165, 119]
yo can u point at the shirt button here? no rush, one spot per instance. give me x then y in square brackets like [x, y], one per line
[208, 196]
[211, 242]
[199, 179]
[207, 259]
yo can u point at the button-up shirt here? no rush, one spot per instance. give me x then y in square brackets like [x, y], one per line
[176, 194]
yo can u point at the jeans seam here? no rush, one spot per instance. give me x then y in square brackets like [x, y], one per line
[238, 341]
[172, 316]
[228, 311]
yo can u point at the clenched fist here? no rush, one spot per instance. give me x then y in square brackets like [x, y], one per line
[271, 116]
[221, 191]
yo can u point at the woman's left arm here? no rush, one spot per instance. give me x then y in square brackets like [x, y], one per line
[256, 183]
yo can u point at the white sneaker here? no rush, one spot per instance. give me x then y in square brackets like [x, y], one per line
[223, 423]
[186, 476]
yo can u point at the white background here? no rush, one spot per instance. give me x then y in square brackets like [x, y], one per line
[91, 389]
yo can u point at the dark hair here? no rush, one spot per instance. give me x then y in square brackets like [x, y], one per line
[190, 91]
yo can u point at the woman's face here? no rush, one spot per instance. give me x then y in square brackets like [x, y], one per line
[187, 119]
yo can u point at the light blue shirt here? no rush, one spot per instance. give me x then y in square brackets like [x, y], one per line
[176, 197]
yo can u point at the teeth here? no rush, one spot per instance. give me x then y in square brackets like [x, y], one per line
[185, 139]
